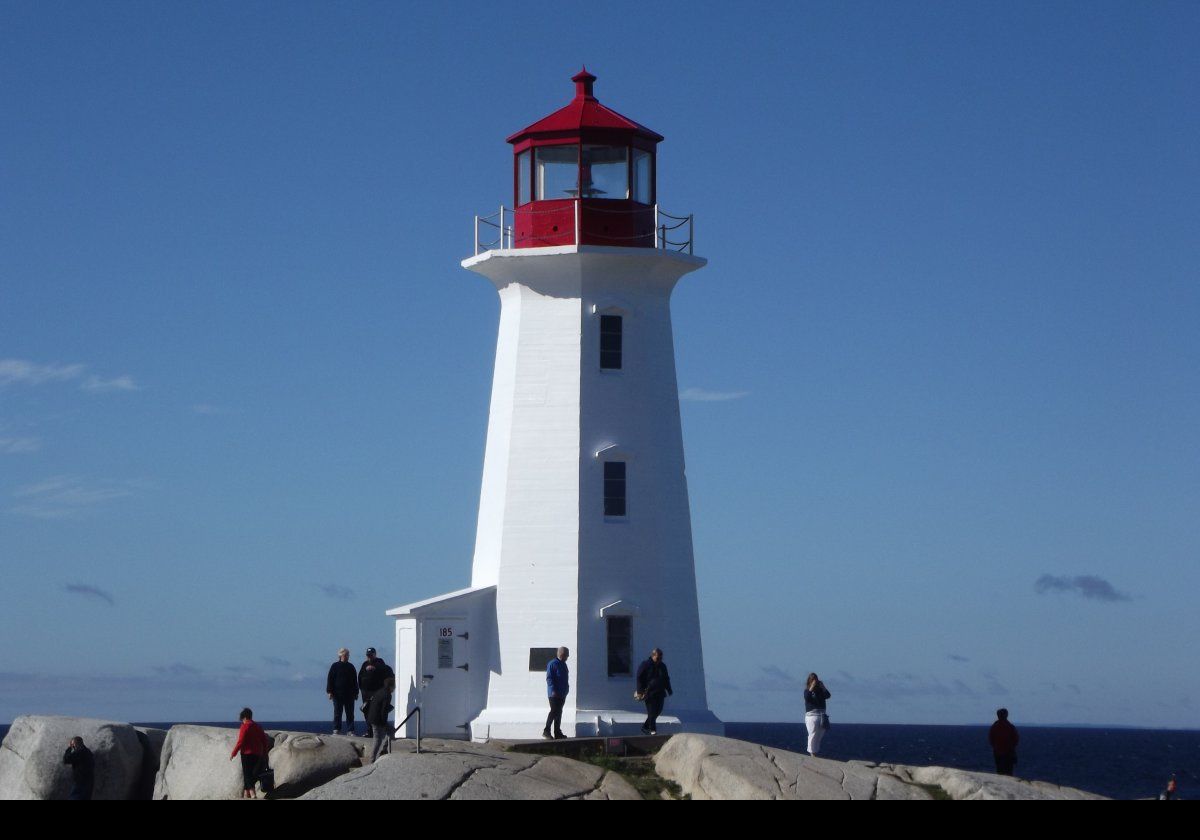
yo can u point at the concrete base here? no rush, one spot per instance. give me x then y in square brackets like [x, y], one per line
[527, 724]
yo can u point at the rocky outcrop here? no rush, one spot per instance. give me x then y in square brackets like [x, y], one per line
[31, 757]
[710, 767]
[302, 762]
[195, 764]
[152, 741]
[462, 770]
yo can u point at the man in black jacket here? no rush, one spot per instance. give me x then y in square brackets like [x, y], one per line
[653, 685]
[372, 676]
[342, 688]
[83, 769]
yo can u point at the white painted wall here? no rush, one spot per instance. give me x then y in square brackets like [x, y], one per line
[542, 538]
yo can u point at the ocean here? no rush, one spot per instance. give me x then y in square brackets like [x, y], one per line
[1119, 763]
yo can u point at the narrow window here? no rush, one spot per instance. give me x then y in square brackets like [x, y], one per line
[620, 645]
[523, 173]
[610, 342]
[642, 178]
[614, 488]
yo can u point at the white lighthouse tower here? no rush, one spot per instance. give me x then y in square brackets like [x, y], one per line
[584, 532]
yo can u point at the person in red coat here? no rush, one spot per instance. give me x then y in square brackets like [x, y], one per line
[1004, 739]
[253, 744]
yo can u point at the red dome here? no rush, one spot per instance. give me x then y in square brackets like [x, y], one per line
[584, 116]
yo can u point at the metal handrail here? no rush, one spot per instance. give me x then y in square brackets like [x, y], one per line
[416, 711]
[509, 239]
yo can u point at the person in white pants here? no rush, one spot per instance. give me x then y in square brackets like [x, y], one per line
[815, 718]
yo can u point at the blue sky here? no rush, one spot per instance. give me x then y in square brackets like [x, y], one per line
[940, 374]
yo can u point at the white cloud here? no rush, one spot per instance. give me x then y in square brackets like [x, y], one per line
[210, 410]
[97, 385]
[63, 497]
[701, 395]
[19, 445]
[22, 372]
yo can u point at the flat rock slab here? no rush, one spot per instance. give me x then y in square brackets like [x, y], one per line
[463, 770]
[31, 757]
[711, 767]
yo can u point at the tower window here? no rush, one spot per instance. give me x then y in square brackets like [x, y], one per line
[614, 488]
[610, 342]
[620, 645]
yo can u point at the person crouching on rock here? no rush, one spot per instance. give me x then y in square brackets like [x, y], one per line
[253, 744]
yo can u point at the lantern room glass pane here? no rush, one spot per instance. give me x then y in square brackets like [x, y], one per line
[557, 171]
[523, 174]
[643, 177]
[605, 172]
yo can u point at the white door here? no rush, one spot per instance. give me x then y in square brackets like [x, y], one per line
[444, 676]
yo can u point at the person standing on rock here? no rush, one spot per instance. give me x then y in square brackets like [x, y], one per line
[83, 769]
[558, 686]
[653, 686]
[377, 717]
[816, 720]
[372, 677]
[342, 688]
[1003, 738]
[253, 744]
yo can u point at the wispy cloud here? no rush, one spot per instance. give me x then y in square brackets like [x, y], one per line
[89, 591]
[775, 678]
[994, 686]
[210, 410]
[177, 669]
[19, 445]
[96, 385]
[64, 496]
[276, 662]
[22, 372]
[956, 657]
[702, 395]
[340, 593]
[1086, 586]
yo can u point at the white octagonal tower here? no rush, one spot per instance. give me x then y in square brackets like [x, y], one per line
[584, 533]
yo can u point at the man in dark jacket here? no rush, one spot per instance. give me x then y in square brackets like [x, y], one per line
[372, 676]
[558, 686]
[1004, 739]
[83, 769]
[342, 688]
[653, 684]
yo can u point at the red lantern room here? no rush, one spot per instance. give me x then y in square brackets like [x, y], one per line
[584, 175]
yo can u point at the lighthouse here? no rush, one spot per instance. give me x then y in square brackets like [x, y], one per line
[584, 532]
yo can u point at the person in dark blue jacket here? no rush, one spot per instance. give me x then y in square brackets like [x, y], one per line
[558, 686]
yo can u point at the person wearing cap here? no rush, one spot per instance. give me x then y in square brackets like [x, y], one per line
[372, 677]
[342, 688]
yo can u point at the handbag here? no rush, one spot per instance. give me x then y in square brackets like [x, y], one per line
[824, 720]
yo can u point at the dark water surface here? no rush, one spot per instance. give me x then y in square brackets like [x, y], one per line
[1121, 763]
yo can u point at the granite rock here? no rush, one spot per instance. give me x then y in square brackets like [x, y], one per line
[31, 757]
[711, 767]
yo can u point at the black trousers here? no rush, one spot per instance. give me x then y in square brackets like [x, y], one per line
[343, 705]
[654, 707]
[555, 717]
[1005, 763]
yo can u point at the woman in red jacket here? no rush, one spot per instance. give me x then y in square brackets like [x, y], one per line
[253, 744]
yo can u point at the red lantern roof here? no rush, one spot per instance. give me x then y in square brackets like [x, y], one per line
[583, 115]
